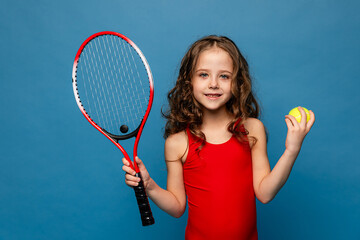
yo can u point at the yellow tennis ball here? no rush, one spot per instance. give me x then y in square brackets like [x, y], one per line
[296, 113]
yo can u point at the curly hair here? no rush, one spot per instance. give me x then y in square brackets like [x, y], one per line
[184, 111]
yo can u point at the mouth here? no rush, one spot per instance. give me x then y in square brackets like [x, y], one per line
[213, 95]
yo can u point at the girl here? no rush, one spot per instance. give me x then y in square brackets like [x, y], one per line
[215, 148]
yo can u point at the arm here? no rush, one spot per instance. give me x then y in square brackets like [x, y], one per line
[267, 182]
[173, 199]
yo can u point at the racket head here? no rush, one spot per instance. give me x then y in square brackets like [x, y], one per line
[113, 87]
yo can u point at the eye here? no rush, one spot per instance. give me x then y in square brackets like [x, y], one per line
[225, 76]
[203, 75]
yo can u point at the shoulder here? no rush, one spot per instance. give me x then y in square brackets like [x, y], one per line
[176, 146]
[253, 125]
[256, 130]
[175, 139]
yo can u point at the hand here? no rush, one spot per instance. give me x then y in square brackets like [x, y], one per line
[130, 178]
[297, 131]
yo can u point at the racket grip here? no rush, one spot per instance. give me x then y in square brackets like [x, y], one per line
[143, 203]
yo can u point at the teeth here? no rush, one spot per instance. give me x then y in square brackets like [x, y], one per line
[212, 95]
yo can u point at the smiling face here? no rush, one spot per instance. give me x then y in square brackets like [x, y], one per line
[212, 79]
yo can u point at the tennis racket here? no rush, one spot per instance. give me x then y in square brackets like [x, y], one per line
[113, 88]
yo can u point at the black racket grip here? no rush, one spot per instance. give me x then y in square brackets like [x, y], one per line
[143, 203]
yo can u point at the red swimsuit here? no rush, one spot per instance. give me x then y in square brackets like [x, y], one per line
[219, 187]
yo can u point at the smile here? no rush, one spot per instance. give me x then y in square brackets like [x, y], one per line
[213, 95]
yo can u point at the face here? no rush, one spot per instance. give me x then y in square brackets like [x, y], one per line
[212, 79]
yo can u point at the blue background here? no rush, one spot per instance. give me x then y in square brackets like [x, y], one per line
[61, 179]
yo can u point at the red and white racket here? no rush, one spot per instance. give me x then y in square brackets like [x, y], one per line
[113, 88]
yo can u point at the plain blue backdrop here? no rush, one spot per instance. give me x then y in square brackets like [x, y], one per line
[61, 179]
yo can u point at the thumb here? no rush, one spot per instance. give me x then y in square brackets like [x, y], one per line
[139, 163]
[138, 160]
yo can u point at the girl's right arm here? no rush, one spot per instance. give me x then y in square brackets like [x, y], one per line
[173, 199]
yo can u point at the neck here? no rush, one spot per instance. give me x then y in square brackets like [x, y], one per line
[217, 119]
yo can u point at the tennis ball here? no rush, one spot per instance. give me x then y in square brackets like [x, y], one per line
[296, 113]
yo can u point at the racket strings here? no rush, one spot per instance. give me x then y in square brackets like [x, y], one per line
[98, 87]
[109, 73]
[137, 84]
[113, 84]
[112, 47]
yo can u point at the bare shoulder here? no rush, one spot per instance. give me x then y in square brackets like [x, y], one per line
[176, 146]
[256, 130]
[254, 126]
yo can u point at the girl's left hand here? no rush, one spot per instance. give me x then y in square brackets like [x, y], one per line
[297, 130]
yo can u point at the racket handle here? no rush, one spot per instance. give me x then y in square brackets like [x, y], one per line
[143, 203]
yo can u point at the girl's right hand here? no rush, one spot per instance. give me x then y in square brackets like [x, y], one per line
[130, 179]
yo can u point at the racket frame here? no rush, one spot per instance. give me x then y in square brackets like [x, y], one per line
[114, 138]
[140, 193]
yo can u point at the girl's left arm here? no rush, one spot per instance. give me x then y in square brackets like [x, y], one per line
[267, 182]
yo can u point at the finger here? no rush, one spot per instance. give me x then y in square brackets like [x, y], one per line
[125, 162]
[288, 123]
[128, 163]
[303, 116]
[131, 178]
[310, 123]
[140, 163]
[128, 170]
[132, 183]
[293, 120]
[138, 160]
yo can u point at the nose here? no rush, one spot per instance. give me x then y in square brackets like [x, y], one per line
[213, 83]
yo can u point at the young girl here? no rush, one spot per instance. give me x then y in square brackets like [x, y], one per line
[215, 148]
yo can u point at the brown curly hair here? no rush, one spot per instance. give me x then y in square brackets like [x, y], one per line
[184, 111]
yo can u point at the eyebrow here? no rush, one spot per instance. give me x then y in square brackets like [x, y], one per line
[206, 70]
